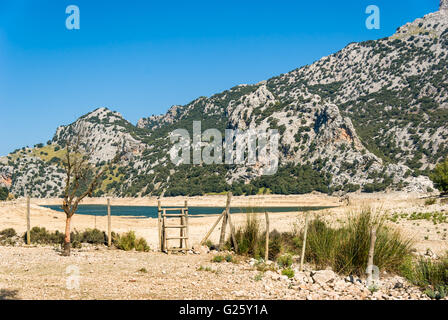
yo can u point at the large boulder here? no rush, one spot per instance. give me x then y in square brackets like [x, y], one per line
[323, 276]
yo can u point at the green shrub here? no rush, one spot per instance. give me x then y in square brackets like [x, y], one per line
[345, 249]
[115, 238]
[288, 272]
[248, 237]
[439, 292]
[210, 244]
[126, 242]
[278, 244]
[76, 244]
[284, 261]
[428, 274]
[259, 276]
[129, 241]
[141, 245]
[440, 176]
[42, 236]
[8, 233]
[4, 193]
[218, 259]
[94, 236]
[430, 202]
[321, 242]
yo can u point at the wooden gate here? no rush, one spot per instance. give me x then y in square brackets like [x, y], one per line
[166, 218]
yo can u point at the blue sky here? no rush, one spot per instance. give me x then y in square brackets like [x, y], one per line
[141, 57]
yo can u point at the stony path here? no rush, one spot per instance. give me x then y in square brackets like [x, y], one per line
[41, 273]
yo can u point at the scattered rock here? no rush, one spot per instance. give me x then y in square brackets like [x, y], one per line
[198, 249]
[323, 276]
[398, 285]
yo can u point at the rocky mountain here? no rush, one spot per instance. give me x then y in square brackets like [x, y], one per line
[103, 133]
[371, 117]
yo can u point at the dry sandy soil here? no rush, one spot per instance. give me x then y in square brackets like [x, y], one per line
[100, 273]
[40, 272]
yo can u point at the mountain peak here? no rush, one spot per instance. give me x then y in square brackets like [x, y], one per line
[432, 25]
[102, 114]
[443, 5]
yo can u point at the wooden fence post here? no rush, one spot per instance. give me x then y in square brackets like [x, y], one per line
[213, 228]
[109, 225]
[184, 222]
[187, 223]
[302, 258]
[224, 222]
[266, 253]
[232, 233]
[28, 221]
[371, 254]
[159, 209]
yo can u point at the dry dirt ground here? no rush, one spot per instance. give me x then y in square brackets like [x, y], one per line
[42, 273]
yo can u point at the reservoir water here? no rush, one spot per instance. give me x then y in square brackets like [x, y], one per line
[151, 212]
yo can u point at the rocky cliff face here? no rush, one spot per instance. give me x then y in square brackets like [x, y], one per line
[443, 5]
[104, 133]
[372, 117]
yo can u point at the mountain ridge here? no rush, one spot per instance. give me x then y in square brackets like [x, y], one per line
[372, 116]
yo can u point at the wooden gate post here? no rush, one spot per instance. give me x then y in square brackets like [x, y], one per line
[222, 238]
[213, 227]
[371, 254]
[159, 208]
[109, 225]
[183, 231]
[28, 221]
[232, 232]
[266, 253]
[302, 258]
[186, 231]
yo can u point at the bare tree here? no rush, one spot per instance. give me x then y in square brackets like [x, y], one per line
[81, 181]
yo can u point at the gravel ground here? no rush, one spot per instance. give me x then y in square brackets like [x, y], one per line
[42, 273]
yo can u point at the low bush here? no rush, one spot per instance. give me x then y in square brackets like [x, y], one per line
[6, 237]
[288, 272]
[345, 248]
[126, 242]
[252, 240]
[141, 245]
[218, 259]
[42, 236]
[129, 241]
[210, 245]
[8, 233]
[249, 237]
[429, 275]
[284, 261]
[4, 193]
[94, 236]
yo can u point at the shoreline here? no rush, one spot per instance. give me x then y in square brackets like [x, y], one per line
[258, 201]
[314, 199]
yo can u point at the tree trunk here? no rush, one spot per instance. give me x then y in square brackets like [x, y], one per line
[67, 241]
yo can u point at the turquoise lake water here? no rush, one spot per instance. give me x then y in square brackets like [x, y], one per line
[151, 212]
